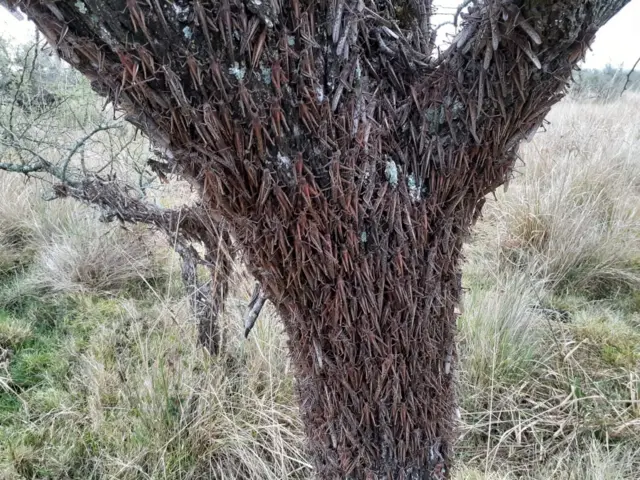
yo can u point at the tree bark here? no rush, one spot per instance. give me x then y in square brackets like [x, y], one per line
[375, 359]
[350, 166]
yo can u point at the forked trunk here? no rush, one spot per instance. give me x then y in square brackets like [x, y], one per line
[349, 163]
[369, 308]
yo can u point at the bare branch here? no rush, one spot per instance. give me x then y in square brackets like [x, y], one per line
[20, 82]
[628, 79]
[254, 308]
[24, 169]
[39, 165]
[80, 143]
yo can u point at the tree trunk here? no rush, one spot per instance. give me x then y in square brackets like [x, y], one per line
[349, 164]
[374, 349]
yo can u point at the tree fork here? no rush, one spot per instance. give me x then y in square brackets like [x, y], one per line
[349, 165]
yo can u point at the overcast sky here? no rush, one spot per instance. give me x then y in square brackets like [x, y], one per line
[617, 43]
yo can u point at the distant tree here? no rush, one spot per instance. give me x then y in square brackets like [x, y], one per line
[348, 161]
[606, 84]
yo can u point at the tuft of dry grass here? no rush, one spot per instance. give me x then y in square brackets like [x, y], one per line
[575, 215]
[499, 333]
[100, 261]
[62, 248]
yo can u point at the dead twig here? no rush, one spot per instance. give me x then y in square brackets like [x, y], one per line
[628, 79]
[253, 309]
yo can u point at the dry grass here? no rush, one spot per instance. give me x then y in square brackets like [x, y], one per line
[575, 214]
[550, 367]
[143, 401]
[499, 333]
[104, 380]
[60, 247]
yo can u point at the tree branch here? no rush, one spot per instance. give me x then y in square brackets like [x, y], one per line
[79, 144]
[628, 79]
[254, 308]
[24, 169]
[182, 226]
[116, 202]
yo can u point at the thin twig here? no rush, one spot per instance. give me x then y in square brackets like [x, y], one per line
[80, 143]
[628, 79]
[253, 310]
[19, 86]
[461, 7]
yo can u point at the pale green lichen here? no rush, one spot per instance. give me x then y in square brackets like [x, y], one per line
[291, 40]
[82, 8]
[363, 237]
[265, 72]
[414, 188]
[237, 70]
[436, 117]
[391, 172]
[188, 33]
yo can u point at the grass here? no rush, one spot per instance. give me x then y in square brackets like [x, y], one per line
[574, 216]
[500, 335]
[121, 392]
[101, 377]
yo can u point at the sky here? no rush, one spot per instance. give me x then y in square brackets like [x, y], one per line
[617, 43]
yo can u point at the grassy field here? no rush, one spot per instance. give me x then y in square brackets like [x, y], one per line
[101, 377]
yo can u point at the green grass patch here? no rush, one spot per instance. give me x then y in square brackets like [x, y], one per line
[617, 342]
[39, 360]
[9, 406]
